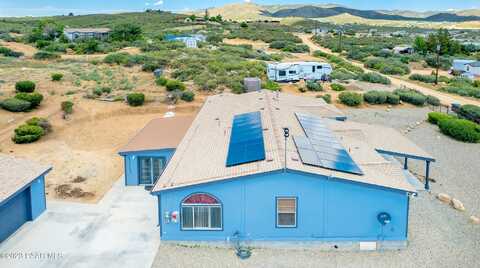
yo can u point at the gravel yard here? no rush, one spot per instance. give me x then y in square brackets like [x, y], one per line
[439, 236]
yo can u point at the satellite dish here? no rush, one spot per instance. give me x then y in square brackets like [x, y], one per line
[384, 218]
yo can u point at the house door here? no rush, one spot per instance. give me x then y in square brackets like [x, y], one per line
[150, 169]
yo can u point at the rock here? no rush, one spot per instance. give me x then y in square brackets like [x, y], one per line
[389, 106]
[445, 198]
[474, 220]
[457, 205]
[388, 110]
[418, 123]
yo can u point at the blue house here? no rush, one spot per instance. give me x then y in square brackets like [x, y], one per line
[237, 175]
[22, 193]
[147, 154]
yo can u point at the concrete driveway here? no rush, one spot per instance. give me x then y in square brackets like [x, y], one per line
[120, 231]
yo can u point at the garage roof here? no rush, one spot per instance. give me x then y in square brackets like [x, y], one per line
[16, 173]
[160, 133]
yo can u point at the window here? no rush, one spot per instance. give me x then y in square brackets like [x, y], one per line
[150, 169]
[286, 212]
[313, 69]
[319, 67]
[201, 212]
[282, 73]
[292, 72]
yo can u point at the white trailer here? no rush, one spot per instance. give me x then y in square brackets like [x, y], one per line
[296, 71]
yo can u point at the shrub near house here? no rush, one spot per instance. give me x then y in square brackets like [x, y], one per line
[350, 98]
[31, 131]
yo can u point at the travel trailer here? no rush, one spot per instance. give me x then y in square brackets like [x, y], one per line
[296, 71]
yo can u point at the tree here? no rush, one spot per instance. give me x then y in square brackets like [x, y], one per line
[193, 17]
[71, 14]
[420, 45]
[46, 30]
[244, 25]
[126, 32]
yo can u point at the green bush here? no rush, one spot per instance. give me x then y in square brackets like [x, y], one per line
[40, 122]
[337, 87]
[432, 100]
[350, 98]
[375, 97]
[375, 78]
[393, 99]
[15, 105]
[314, 86]
[471, 112]
[461, 129]
[436, 117]
[188, 96]
[135, 99]
[271, 85]
[388, 66]
[34, 98]
[175, 85]
[45, 55]
[327, 98]
[57, 76]
[411, 96]
[423, 78]
[25, 86]
[161, 81]
[9, 53]
[343, 75]
[27, 134]
[121, 58]
[67, 107]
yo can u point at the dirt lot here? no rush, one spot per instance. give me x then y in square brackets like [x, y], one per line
[82, 149]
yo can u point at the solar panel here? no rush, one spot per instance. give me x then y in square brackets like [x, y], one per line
[321, 148]
[246, 140]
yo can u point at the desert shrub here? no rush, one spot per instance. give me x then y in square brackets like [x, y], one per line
[393, 99]
[15, 105]
[106, 90]
[33, 98]
[350, 98]
[40, 122]
[57, 76]
[342, 75]
[151, 65]
[121, 58]
[432, 100]
[9, 53]
[471, 112]
[460, 129]
[135, 99]
[45, 55]
[161, 81]
[25, 86]
[337, 87]
[27, 134]
[97, 91]
[375, 78]
[302, 89]
[327, 98]
[423, 78]
[436, 117]
[271, 85]
[175, 85]
[375, 97]
[188, 96]
[462, 88]
[445, 62]
[388, 66]
[279, 44]
[411, 96]
[314, 86]
[67, 107]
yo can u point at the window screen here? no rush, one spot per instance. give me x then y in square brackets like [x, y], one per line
[286, 212]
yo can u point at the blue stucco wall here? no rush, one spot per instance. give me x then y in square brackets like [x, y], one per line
[327, 209]
[131, 163]
[37, 197]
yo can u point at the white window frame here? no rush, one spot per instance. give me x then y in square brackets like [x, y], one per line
[277, 212]
[209, 206]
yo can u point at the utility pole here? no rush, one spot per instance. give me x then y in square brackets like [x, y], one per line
[340, 34]
[438, 63]
[286, 134]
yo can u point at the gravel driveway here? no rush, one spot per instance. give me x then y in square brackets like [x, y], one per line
[439, 236]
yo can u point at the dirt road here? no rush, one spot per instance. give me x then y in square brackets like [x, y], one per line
[445, 98]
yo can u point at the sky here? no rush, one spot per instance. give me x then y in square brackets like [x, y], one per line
[9, 8]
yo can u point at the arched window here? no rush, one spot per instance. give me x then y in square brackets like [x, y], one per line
[201, 212]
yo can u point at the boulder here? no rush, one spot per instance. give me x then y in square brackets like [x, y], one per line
[474, 220]
[445, 198]
[457, 205]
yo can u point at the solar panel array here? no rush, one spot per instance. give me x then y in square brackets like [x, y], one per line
[321, 148]
[246, 141]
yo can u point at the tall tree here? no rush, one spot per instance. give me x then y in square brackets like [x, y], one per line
[420, 45]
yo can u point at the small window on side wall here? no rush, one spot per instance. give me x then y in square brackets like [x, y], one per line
[286, 212]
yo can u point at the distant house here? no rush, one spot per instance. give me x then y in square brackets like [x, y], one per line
[460, 65]
[75, 34]
[191, 41]
[234, 177]
[149, 152]
[473, 69]
[22, 193]
[403, 50]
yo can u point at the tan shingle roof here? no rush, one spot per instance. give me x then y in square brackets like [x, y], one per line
[201, 155]
[15, 173]
[160, 133]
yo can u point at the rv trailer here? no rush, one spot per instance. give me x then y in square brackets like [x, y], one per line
[296, 71]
